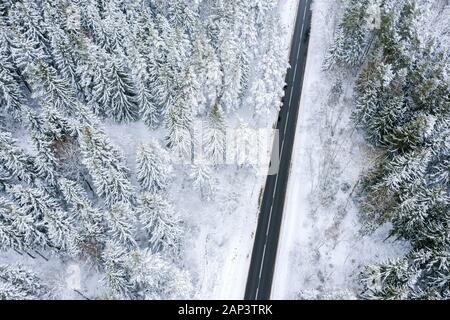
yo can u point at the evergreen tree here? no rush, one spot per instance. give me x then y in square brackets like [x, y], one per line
[18, 283]
[11, 94]
[123, 105]
[153, 168]
[106, 167]
[90, 237]
[10, 237]
[40, 219]
[202, 179]
[154, 277]
[162, 225]
[50, 88]
[215, 136]
[149, 111]
[122, 224]
[179, 116]
[117, 275]
[14, 163]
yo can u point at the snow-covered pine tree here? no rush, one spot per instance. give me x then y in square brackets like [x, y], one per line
[117, 275]
[10, 237]
[11, 94]
[49, 87]
[46, 226]
[115, 28]
[106, 167]
[19, 283]
[91, 231]
[202, 179]
[153, 167]
[207, 68]
[215, 136]
[14, 163]
[265, 93]
[94, 82]
[65, 58]
[160, 222]
[26, 18]
[91, 20]
[123, 105]
[148, 109]
[233, 73]
[155, 277]
[122, 224]
[179, 116]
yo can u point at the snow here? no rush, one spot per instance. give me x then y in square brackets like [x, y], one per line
[322, 245]
[65, 277]
[288, 12]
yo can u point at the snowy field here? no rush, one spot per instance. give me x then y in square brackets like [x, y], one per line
[321, 245]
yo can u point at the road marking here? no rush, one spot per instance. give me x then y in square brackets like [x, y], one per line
[275, 189]
[295, 74]
[261, 269]
[263, 257]
[290, 98]
[285, 127]
[270, 221]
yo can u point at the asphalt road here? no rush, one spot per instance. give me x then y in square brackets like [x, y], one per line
[259, 282]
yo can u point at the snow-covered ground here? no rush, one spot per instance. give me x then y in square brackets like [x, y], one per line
[322, 246]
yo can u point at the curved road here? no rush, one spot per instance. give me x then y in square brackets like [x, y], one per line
[259, 282]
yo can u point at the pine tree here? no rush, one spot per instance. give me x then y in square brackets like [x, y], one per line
[93, 79]
[161, 223]
[10, 237]
[215, 136]
[233, 73]
[207, 68]
[153, 167]
[149, 111]
[117, 275]
[18, 283]
[122, 224]
[40, 219]
[154, 277]
[64, 56]
[202, 179]
[106, 167]
[179, 116]
[11, 94]
[123, 105]
[90, 237]
[50, 88]
[14, 163]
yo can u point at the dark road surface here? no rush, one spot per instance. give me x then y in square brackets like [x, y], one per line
[259, 282]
